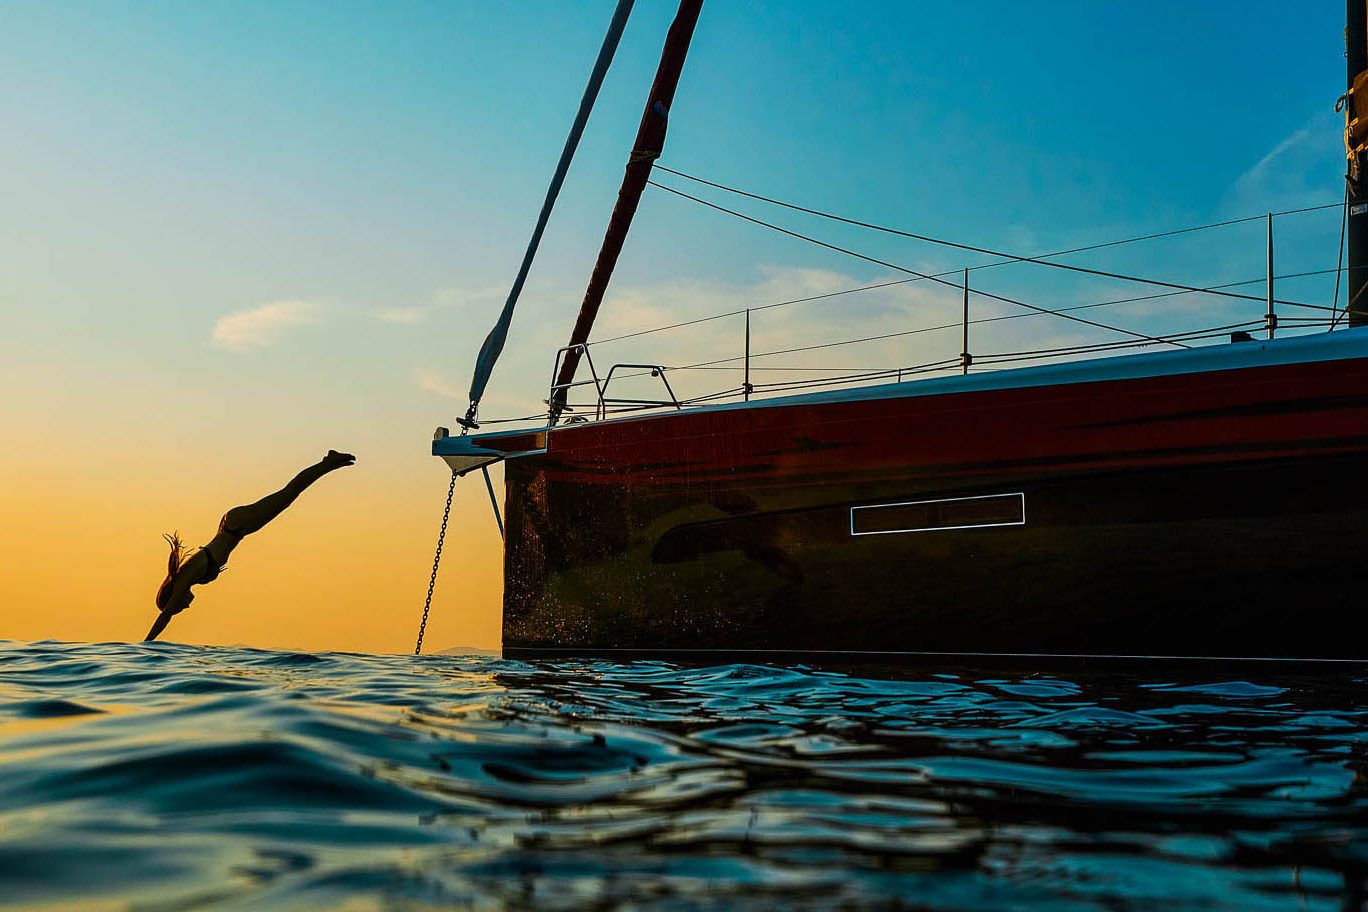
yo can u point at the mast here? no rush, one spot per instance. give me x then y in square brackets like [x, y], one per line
[650, 141]
[1356, 142]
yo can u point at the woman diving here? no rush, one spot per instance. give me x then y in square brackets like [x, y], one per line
[204, 566]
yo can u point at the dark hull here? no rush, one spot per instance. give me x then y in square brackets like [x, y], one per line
[1217, 513]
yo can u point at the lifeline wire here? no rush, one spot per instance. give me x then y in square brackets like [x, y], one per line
[855, 372]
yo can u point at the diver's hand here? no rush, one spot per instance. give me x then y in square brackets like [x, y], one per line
[336, 460]
[158, 626]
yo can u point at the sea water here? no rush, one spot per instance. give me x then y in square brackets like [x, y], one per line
[165, 777]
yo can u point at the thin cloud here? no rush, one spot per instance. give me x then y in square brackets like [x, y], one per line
[404, 315]
[1258, 174]
[262, 326]
[440, 384]
[434, 382]
[1300, 169]
[451, 299]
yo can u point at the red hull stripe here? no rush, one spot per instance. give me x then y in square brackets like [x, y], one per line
[1182, 419]
[1240, 401]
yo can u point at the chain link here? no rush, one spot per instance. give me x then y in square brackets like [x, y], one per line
[436, 561]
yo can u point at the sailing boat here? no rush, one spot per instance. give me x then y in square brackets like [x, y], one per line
[1204, 502]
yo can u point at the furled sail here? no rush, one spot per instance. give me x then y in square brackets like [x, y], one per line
[494, 342]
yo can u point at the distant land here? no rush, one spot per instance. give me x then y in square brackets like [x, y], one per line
[469, 650]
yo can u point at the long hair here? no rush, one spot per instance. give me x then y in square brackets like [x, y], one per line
[173, 566]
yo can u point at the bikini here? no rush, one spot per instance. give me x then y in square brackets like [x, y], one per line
[217, 566]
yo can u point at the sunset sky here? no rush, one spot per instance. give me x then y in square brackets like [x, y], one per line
[236, 234]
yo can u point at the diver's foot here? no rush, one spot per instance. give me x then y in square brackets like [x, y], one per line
[336, 460]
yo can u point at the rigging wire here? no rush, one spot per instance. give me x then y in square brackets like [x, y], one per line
[919, 277]
[1000, 318]
[888, 265]
[833, 294]
[1006, 259]
[911, 332]
[993, 265]
[971, 248]
[737, 313]
[1339, 260]
[1042, 256]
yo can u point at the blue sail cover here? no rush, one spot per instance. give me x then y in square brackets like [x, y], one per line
[494, 342]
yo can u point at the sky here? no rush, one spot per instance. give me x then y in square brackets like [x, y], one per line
[237, 234]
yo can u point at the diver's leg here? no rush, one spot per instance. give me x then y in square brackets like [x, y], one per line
[248, 519]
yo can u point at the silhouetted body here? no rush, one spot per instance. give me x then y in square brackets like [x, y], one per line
[208, 562]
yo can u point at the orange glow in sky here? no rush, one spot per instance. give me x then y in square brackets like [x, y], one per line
[345, 568]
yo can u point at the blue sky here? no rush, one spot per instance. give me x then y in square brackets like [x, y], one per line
[169, 164]
[232, 231]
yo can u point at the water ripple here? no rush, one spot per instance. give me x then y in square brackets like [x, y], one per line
[168, 777]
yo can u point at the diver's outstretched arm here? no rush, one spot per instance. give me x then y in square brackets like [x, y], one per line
[158, 626]
[248, 519]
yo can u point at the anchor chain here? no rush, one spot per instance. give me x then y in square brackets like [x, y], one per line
[436, 562]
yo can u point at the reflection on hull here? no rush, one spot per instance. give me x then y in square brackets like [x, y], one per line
[1203, 514]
